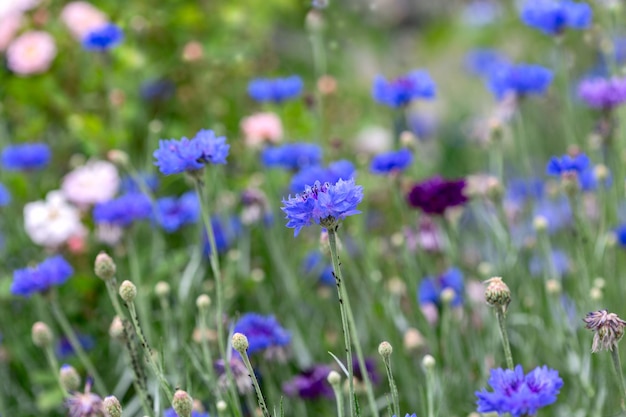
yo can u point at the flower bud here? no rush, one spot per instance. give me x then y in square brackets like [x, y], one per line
[428, 362]
[116, 330]
[497, 293]
[104, 267]
[385, 349]
[553, 286]
[413, 340]
[240, 342]
[221, 405]
[540, 224]
[447, 295]
[69, 378]
[162, 289]
[41, 334]
[334, 378]
[128, 291]
[112, 407]
[182, 403]
[203, 302]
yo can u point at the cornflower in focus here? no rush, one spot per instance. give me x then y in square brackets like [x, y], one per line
[608, 329]
[391, 162]
[553, 16]
[26, 157]
[39, 278]
[520, 79]
[177, 156]
[435, 195]
[275, 90]
[264, 333]
[324, 204]
[404, 89]
[602, 93]
[31, 53]
[334, 172]
[519, 394]
[292, 156]
[103, 38]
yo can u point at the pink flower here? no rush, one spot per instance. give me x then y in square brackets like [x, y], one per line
[262, 127]
[16, 6]
[95, 182]
[31, 53]
[81, 18]
[9, 25]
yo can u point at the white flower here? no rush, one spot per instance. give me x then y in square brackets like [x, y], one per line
[52, 222]
[95, 182]
[109, 234]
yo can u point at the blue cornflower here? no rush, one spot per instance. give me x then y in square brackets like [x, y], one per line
[176, 156]
[323, 204]
[64, 348]
[225, 232]
[123, 210]
[521, 79]
[26, 157]
[566, 164]
[560, 261]
[5, 195]
[408, 415]
[335, 170]
[482, 61]
[553, 16]
[521, 189]
[314, 265]
[134, 185]
[390, 162]
[620, 234]
[590, 178]
[429, 291]
[103, 38]
[292, 155]
[194, 413]
[172, 213]
[403, 90]
[263, 332]
[275, 90]
[39, 278]
[519, 394]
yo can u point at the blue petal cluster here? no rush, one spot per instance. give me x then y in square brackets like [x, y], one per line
[482, 62]
[103, 38]
[519, 394]
[403, 90]
[292, 156]
[521, 79]
[176, 156]
[429, 291]
[5, 195]
[275, 90]
[553, 16]
[263, 332]
[171, 413]
[53, 271]
[172, 213]
[620, 233]
[388, 162]
[322, 202]
[331, 174]
[124, 210]
[26, 157]
[559, 166]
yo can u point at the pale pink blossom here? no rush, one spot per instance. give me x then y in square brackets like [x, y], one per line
[8, 7]
[262, 127]
[53, 221]
[109, 234]
[31, 53]
[9, 25]
[81, 18]
[94, 182]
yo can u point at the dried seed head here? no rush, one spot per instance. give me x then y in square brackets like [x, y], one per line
[608, 329]
[497, 293]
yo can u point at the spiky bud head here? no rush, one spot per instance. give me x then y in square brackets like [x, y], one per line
[334, 378]
[162, 289]
[203, 302]
[69, 378]
[116, 330]
[497, 293]
[112, 407]
[240, 342]
[385, 349]
[128, 291]
[428, 362]
[105, 267]
[182, 403]
[41, 334]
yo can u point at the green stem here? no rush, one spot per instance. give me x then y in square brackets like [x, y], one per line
[392, 387]
[339, 398]
[255, 382]
[206, 352]
[617, 366]
[505, 338]
[430, 401]
[136, 278]
[54, 365]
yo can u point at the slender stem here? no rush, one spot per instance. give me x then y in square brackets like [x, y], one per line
[339, 398]
[60, 317]
[430, 402]
[255, 383]
[206, 352]
[54, 365]
[136, 278]
[617, 365]
[505, 338]
[392, 387]
[332, 240]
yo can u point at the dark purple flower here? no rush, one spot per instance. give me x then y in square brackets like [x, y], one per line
[435, 195]
[602, 93]
[310, 384]
[370, 365]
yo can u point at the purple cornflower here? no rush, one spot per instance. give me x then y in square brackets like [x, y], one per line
[602, 93]
[430, 289]
[103, 38]
[26, 157]
[568, 164]
[324, 204]
[519, 394]
[331, 174]
[521, 79]
[176, 156]
[391, 162]
[435, 195]
[124, 210]
[5, 196]
[403, 90]
[292, 156]
[263, 332]
[275, 90]
[172, 213]
[370, 366]
[39, 278]
[553, 16]
[310, 384]
[84, 404]
[194, 413]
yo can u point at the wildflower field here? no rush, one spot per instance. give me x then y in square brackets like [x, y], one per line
[330, 208]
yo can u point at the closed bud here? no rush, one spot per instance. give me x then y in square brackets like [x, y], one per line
[203, 302]
[448, 295]
[240, 342]
[334, 378]
[162, 289]
[116, 330]
[182, 403]
[69, 378]
[112, 407]
[428, 362]
[497, 293]
[385, 349]
[128, 291]
[553, 286]
[104, 267]
[221, 405]
[41, 334]
[314, 21]
[540, 224]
